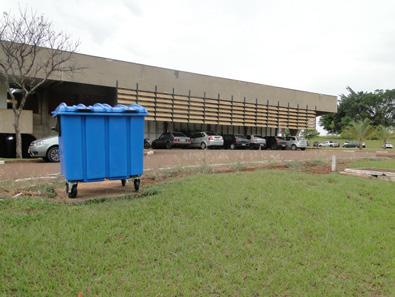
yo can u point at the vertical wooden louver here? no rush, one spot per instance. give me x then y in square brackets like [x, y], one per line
[172, 107]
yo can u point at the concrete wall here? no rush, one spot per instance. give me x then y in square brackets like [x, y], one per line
[3, 93]
[106, 72]
[7, 120]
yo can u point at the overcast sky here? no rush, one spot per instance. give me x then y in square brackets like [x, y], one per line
[312, 45]
[321, 46]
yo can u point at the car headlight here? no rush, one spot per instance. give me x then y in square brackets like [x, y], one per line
[37, 143]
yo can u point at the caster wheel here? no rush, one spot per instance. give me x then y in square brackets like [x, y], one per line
[71, 191]
[136, 184]
[123, 181]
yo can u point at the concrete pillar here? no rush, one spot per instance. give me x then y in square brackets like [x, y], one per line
[3, 93]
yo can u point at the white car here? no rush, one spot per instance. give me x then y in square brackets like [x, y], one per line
[328, 143]
[388, 146]
[46, 148]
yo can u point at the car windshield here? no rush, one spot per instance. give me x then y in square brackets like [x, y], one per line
[240, 136]
[258, 136]
[178, 134]
[209, 133]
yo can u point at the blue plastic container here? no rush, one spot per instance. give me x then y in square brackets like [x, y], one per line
[100, 142]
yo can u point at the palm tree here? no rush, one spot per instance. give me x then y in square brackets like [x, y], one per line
[359, 130]
[383, 133]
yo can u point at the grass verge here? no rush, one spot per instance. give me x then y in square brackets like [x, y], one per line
[374, 164]
[262, 233]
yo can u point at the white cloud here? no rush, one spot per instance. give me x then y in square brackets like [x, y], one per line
[320, 46]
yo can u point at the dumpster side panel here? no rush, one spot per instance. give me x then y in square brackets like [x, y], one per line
[95, 151]
[118, 152]
[136, 137]
[71, 147]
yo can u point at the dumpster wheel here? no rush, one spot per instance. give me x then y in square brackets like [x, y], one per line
[71, 190]
[136, 184]
[123, 181]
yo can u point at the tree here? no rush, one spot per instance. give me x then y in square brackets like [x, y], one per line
[31, 52]
[383, 133]
[359, 130]
[378, 107]
[310, 133]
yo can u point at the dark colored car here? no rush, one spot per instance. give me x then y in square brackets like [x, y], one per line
[235, 141]
[169, 140]
[147, 143]
[8, 145]
[276, 143]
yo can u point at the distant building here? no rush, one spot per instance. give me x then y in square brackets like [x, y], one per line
[176, 100]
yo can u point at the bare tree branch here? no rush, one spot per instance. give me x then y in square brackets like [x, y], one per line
[31, 53]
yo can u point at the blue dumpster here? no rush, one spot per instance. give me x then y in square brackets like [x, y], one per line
[100, 142]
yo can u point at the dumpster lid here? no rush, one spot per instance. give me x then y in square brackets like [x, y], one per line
[63, 108]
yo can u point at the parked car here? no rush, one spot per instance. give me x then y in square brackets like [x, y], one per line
[388, 146]
[328, 143]
[235, 141]
[8, 145]
[275, 142]
[169, 140]
[256, 141]
[46, 148]
[206, 140]
[295, 142]
[353, 144]
[147, 143]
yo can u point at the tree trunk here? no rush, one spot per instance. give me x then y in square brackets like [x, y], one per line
[18, 136]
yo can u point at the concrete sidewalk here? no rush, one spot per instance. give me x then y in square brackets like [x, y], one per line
[194, 158]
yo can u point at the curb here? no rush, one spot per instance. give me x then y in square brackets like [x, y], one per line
[19, 161]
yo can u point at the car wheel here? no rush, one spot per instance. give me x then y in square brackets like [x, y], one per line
[168, 145]
[293, 147]
[303, 148]
[203, 145]
[53, 154]
[232, 146]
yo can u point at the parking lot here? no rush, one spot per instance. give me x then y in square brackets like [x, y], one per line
[162, 159]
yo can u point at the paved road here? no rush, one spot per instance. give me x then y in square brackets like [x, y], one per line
[188, 157]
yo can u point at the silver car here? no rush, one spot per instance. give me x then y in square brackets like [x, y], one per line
[294, 143]
[256, 141]
[46, 148]
[206, 139]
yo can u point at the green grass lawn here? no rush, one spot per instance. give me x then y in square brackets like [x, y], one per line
[262, 233]
[374, 164]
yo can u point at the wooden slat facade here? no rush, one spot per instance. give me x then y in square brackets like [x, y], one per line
[173, 107]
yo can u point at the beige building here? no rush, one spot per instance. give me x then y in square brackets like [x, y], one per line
[176, 100]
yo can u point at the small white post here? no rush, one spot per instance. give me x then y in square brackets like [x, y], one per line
[333, 163]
